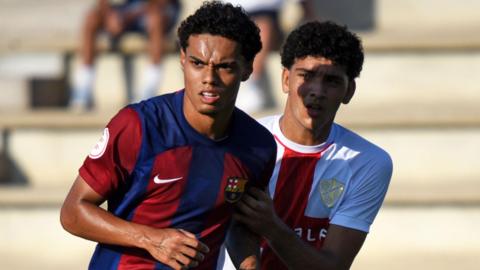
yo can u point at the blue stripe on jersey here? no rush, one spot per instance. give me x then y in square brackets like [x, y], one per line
[105, 258]
[205, 176]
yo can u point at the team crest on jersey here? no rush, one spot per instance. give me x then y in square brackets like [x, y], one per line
[234, 189]
[330, 191]
[101, 145]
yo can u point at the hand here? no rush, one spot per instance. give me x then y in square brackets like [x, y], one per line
[256, 211]
[176, 248]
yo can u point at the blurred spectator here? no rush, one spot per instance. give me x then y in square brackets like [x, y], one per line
[153, 18]
[254, 94]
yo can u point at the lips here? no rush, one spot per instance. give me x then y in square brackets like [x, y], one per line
[314, 110]
[209, 96]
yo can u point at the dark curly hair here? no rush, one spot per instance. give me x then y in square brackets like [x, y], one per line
[225, 20]
[325, 39]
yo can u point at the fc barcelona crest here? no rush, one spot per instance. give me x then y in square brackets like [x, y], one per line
[234, 189]
[330, 191]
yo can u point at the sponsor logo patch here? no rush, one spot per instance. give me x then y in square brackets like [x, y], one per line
[101, 145]
[330, 191]
[234, 189]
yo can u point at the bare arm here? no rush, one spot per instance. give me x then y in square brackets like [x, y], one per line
[338, 252]
[243, 247]
[81, 215]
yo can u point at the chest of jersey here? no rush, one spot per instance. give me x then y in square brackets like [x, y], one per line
[187, 185]
[306, 190]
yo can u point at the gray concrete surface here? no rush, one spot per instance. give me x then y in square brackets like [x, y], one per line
[414, 238]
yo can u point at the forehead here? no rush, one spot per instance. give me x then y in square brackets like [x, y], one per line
[318, 64]
[213, 47]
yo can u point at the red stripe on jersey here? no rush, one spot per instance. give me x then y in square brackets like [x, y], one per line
[164, 191]
[293, 185]
[217, 221]
[292, 192]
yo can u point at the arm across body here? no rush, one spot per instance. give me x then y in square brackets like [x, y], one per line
[338, 252]
[82, 215]
[243, 247]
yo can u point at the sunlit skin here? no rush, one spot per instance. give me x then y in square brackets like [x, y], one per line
[316, 87]
[213, 67]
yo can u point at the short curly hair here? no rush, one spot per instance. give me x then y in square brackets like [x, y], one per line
[226, 20]
[325, 39]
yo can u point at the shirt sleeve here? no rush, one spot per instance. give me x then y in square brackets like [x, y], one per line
[113, 158]
[365, 195]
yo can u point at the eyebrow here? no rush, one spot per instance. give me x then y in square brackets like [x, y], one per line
[226, 62]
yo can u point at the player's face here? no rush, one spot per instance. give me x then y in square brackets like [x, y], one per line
[316, 87]
[213, 69]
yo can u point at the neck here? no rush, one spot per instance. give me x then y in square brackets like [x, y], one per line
[213, 126]
[296, 132]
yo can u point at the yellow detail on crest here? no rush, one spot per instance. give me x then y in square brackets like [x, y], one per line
[234, 189]
[330, 191]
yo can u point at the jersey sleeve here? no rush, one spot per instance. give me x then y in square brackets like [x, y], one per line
[113, 158]
[364, 197]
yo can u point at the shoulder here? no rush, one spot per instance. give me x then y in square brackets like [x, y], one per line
[269, 121]
[361, 151]
[251, 131]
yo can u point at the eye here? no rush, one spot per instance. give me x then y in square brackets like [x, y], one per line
[226, 67]
[306, 75]
[196, 63]
[335, 81]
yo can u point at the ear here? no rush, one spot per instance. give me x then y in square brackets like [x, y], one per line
[350, 91]
[247, 71]
[182, 58]
[285, 80]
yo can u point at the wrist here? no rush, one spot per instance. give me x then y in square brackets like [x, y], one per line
[141, 238]
[278, 231]
[249, 263]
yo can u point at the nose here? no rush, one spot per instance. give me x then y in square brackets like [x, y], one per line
[209, 75]
[313, 89]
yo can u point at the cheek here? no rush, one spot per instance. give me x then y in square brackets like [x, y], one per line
[302, 89]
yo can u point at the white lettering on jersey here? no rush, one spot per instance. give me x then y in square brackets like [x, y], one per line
[310, 235]
[101, 145]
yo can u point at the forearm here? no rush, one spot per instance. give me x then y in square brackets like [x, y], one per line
[91, 222]
[297, 254]
[243, 247]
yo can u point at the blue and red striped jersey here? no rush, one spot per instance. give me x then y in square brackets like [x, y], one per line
[154, 169]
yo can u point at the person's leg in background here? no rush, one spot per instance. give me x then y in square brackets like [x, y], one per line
[161, 16]
[101, 16]
[253, 95]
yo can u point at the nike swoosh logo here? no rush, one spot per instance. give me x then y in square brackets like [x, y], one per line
[157, 180]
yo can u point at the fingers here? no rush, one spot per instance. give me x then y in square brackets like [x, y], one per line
[192, 241]
[178, 248]
[258, 193]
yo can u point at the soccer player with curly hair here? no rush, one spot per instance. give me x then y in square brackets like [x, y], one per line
[172, 168]
[328, 183]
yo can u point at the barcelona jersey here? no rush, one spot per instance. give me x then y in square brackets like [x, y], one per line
[154, 169]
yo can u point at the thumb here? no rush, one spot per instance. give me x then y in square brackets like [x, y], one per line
[189, 234]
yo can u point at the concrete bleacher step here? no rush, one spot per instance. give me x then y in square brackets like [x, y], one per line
[54, 25]
[431, 165]
[414, 238]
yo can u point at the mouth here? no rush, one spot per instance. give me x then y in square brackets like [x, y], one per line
[209, 97]
[314, 110]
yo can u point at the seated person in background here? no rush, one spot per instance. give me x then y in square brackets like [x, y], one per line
[151, 17]
[255, 92]
[328, 183]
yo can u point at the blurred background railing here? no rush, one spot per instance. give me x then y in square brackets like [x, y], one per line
[417, 97]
